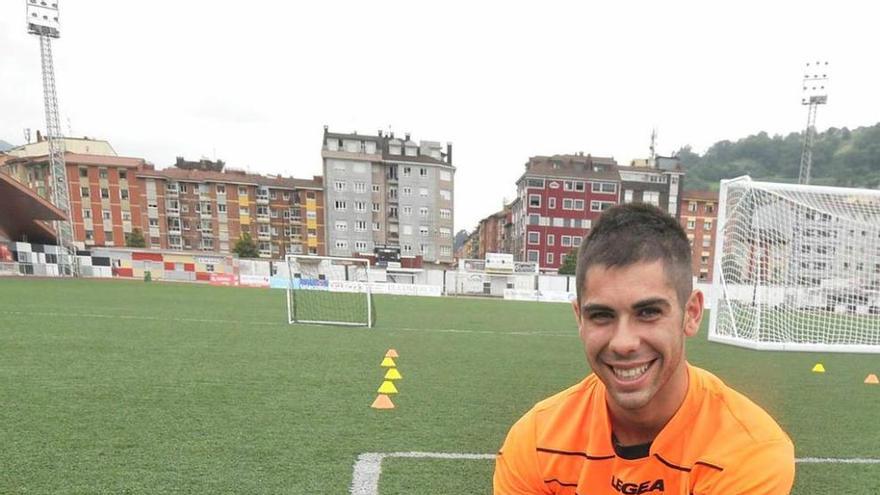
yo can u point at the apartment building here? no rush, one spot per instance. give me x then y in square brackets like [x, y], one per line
[560, 197]
[103, 191]
[202, 206]
[657, 181]
[383, 192]
[699, 211]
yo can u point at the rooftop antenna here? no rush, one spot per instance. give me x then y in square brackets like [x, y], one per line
[27, 135]
[653, 146]
[42, 21]
[815, 93]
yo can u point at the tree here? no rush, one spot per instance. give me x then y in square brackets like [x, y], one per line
[245, 247]
[135, 239]
[569, 263]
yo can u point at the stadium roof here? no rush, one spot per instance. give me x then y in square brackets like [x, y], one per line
[24, 213]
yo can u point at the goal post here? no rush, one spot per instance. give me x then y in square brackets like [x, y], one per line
[797, 267]
[329, 291]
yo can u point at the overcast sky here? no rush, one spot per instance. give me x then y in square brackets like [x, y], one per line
[253, 83]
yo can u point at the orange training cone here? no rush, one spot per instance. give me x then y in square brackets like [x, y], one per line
[382, 402]
[391, 353]
[872, 379]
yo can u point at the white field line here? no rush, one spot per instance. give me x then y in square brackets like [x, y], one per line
[49, 314]
[365, 480]
[368, 467]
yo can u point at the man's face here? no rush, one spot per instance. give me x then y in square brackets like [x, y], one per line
[633, 330]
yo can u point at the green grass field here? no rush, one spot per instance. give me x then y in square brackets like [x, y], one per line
[129, 387]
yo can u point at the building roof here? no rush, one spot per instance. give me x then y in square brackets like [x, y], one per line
[572, 167]
[24, 212]
[414, 159]
[83, 159]
[82, 145]
[699, 195]
[233, 177]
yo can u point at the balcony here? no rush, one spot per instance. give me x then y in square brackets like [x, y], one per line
[264, 236]
[265, 254]
[262, 218]
[262, 200]
[174, 231]
[172, 212]
[207, 234]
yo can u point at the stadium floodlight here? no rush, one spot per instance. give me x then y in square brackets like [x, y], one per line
[797, 267]
[329, 291]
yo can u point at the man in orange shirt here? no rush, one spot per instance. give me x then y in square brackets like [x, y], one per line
[645, 421]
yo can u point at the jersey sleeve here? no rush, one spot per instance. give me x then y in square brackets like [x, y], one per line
[516, 467]
[764, 469]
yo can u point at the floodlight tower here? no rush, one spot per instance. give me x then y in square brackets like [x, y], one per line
[814, 94]
[42, 20]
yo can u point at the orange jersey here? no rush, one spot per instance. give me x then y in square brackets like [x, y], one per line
[717, 443]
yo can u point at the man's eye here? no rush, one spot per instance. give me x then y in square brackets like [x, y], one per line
[600, 316]
[649, 312]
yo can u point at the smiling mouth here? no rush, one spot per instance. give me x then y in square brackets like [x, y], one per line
[631, 374]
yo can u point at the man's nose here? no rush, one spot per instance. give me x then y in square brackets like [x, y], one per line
[625, 339]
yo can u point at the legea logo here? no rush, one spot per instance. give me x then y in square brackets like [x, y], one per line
[637, 488]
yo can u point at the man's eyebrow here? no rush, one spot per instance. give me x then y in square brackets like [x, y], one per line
[654, 301]
[589, 307]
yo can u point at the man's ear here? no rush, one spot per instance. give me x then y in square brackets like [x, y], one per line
[576, 306]
[693, 313]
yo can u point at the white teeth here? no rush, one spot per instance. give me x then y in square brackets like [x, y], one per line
[631, 373]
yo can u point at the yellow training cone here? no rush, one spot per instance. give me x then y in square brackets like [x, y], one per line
[382, 402]
[391, 353]
[393, 374]
[872, 379]
[818, 368]
[387, 387]
[388, 363]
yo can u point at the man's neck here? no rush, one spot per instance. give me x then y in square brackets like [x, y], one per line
[641, 426]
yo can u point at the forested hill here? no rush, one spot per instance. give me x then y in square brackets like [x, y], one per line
[841, 157]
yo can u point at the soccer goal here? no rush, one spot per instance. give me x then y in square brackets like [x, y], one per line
[797, 267]
[331, 291]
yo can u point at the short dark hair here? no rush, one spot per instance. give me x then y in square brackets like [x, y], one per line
[632, 233]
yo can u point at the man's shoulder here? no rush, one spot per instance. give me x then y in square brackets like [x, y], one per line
[736, 413]
[568, 398]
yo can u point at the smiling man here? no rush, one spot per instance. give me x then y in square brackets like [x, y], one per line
[645, 421]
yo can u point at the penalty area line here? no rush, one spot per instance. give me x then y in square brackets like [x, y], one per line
[368, 467]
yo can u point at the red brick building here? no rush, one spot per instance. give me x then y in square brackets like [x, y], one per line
[560, 196]
[699, 211]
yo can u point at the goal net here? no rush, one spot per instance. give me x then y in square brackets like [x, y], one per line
[332, 291]
[797, 267]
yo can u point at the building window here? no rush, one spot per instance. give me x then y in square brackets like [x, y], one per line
[534, 200]
[445, 213]
[692, 206]
[360, 245]
[339, 185]
[423, 230]
[446, 194]
[407, 191]
[273, 195]
[573, 185]
[423, 192]
[105, 193]
[360, 187]
[407, 171]
[376, 207]
[340, 205]
[105, 214]
[375, 188]
[549, 258]
[423, 172]
[360, 225]
[535, 183]
[534, 238]
[87, 213]
[423, 212]
[126, 216]
[692, 224]
[566, 241]
[360, 206]
[551, 203]
[532, 255]
[90, 235]
[183, 188]
[604, 187]
[600, 205]
[221, 208]
[710, 208]
[707, 224]
[628, 196]
[534, 219]
[102, 173]
[651, 197]
[376, 226]
[242, 191]
[551, 239]
[221, 188]
[576, 240]
[407, 211]
[446, 176]
[84, 192]
[83, 172]
[707, 241]
[123, 193]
